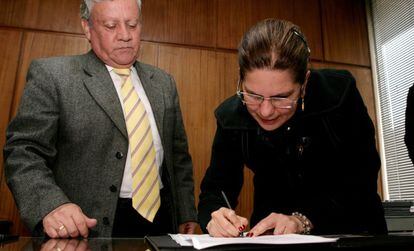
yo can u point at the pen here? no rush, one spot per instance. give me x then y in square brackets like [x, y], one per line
[229, 207]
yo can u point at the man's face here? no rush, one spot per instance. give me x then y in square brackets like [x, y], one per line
[114, 31]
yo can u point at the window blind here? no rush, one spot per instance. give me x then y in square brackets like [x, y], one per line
[393, 29]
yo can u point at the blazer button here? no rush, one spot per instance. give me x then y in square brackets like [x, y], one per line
[112, 188]
[105, 221]
[119, 155]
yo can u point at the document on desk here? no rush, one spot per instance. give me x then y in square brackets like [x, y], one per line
[184, 240]
[206, 241]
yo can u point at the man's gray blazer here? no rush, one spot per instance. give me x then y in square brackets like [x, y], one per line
[68, 142]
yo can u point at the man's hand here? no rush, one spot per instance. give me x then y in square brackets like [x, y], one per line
[226, 223]
[187, 228]
[278, 223]
[67, 221]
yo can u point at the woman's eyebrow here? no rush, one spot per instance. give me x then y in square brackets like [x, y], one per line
[250, 91]
[283, 94]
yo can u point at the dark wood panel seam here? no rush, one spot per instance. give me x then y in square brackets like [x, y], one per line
[188, 46]
[158, 55]
[322, 30]
[217, 19]
[339, 63]
[41, 31]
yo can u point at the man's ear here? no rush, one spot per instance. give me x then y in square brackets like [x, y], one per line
[86, 28]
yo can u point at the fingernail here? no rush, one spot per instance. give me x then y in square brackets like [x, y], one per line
[249, 234]
[241, 228]
[244, 227]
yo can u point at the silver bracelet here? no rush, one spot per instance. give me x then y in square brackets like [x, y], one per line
[306, 224]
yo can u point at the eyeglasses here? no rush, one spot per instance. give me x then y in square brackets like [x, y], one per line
[256, 100]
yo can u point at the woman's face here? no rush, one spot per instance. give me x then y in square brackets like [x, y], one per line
[275, 84]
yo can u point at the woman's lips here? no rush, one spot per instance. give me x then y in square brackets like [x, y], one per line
[268, 121]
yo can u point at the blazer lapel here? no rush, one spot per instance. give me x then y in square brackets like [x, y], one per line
[99, 83]
[154, 94]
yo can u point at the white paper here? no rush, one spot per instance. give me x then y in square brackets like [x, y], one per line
[184, 240]
[206, 241]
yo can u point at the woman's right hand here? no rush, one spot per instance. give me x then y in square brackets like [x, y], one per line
[226, 223]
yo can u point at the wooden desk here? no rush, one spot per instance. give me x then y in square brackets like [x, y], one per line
[164, 243]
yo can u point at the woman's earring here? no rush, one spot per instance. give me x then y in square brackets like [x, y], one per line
[303, 104]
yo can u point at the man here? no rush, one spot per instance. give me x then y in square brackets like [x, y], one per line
[98, 146]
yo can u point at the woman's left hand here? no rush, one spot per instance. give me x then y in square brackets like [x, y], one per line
[279, 224]
[187, 227]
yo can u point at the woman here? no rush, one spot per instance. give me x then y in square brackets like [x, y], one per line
[305, 134]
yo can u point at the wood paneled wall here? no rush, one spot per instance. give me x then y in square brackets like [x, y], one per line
[9, 56]
[194, 40]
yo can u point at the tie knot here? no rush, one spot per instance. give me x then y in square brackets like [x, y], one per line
[122, 72]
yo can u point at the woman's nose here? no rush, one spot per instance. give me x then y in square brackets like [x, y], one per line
[266, 109]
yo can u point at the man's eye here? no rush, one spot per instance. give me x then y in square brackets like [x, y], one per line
[110, 26]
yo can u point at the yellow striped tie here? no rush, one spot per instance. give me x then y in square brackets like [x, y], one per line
[145, 184]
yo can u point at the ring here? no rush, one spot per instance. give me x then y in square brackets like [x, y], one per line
[61, 227]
